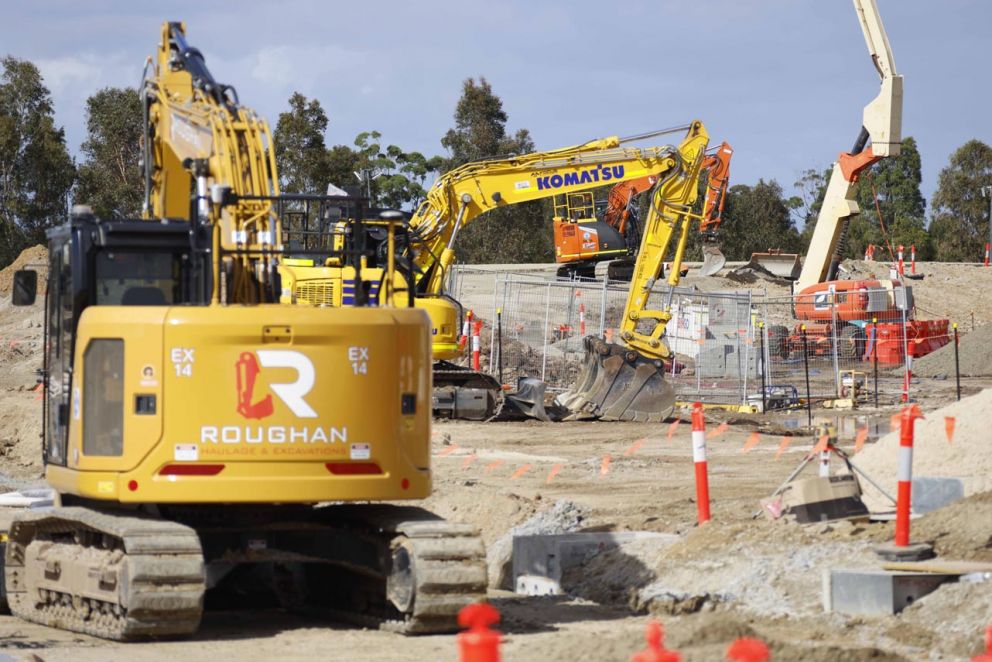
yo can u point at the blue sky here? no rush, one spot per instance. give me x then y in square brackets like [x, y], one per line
[784, 81]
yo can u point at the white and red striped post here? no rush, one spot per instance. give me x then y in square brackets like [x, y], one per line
[476, 345]
[902, 265]
[912, 258]
[466, 329]
[905, 493]
[987, 246]
[699, 459]
[870, 253]
[907, 378]
[582, 320]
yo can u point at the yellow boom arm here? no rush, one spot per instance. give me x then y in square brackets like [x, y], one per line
[198, 134]
[461, 195]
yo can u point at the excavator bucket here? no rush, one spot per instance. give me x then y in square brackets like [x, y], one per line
[713, 260]
[783, 265]
[618, 384]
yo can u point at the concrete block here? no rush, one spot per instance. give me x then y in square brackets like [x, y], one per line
[932, 493]
[861, 592]
[539, 561]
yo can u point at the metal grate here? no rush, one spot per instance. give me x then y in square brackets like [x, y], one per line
[315, 294]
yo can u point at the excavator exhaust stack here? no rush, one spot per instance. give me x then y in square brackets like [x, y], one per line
[618, 384]
[713, 260]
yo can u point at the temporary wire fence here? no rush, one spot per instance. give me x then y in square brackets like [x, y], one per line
[733, 348]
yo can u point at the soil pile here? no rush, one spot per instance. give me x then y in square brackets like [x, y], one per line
[20, 404]
[974, 355]
[960, 531]
[965, 457]
[35, 258]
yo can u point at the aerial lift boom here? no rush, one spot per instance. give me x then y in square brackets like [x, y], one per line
[882, 125]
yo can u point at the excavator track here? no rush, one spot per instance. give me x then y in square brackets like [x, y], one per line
[435, 568]
[113, 576]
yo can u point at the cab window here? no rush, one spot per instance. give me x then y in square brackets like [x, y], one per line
[133, 278]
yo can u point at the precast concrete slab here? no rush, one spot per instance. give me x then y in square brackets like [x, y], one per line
[862, 592]
[539, 561]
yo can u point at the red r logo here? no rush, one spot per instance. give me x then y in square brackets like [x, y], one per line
[247, 370]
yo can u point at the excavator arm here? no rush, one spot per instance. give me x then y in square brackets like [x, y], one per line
[718, 165]
[626, 381]
[882, 125]
[461, 195]
[198, 135]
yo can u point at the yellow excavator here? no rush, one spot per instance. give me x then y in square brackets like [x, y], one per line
[199, 434]
[464, 194]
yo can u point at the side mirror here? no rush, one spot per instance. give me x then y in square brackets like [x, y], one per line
[25, 287]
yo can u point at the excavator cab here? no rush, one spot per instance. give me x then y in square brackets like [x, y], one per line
[581, 237]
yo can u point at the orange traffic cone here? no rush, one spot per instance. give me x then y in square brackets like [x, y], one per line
[748, 649]
[478, 643]
[655, 652]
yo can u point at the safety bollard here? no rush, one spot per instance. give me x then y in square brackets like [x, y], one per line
[478, 643]
[905, 493]
[476, 345]
[699, 459]
[987, 655]
[912, 259]
[902, 266]
[748, 649]
[869, 252]
[466, 330]
[987, 246]
[654, 636]
[582, 320]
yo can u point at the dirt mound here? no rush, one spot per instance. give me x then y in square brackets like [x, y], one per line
[960, 531]
[966, 457]
[35, 258]
[974, 355]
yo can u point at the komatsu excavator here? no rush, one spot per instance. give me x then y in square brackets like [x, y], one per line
[582, 240]
[460, 196]
[197, 431]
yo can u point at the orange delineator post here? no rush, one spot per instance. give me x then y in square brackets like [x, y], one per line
[870, 253]
[582, 320]
[699, 459]
[987, 656]
[987, 247]
[902, 266]
[905, 476]
[478, 643]
[476, 345]
[912, 258]
[907, 378]
[466, 329]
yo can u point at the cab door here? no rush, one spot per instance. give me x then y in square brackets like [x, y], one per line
[58, 353]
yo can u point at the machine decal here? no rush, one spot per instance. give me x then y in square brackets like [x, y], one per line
[292, 394]
[186, 453]
[148, 376]
[597, 174]
[272, 434]
[182, 361]
[361, 451]
[359, 359]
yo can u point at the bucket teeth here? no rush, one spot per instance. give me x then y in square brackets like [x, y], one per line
[616, 384]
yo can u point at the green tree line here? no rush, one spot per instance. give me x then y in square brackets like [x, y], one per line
[39, 179]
